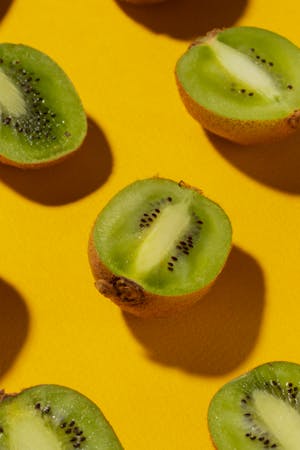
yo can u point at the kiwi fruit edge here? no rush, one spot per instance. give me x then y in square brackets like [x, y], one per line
[129, 295]
[53, 417]
[242, 131]
[51, 124]
[244, 413]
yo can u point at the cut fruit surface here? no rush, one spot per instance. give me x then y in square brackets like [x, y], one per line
[166, 238]
[42, 118]
[242, 83]
[258, 410]
[50, 417]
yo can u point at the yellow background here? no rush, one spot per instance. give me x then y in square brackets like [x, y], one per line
[153, 379]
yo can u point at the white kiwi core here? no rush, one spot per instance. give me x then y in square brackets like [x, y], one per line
[280, 418]
[171, 224]
[163, 235]
[29, 432]
[11, 99]
[241, 67]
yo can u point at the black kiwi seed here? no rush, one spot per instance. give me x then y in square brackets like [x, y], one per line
[146, 253]
[45, 430]
[46, 409]
[35, 141]
[270, 388]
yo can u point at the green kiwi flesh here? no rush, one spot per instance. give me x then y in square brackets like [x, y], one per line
[51, 417]
[42, 118]
[164, 236]
[258, 410]
[243, 74]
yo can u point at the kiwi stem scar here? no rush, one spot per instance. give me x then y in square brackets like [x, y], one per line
[159, 241]
[280, 418]
[11, 99]
[245, 70]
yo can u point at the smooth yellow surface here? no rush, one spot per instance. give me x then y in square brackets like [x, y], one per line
[153, 379]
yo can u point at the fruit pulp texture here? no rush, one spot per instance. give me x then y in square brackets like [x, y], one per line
[41, 114]
[243, 73]
[53, 418]
[258, 410]
[166, 237]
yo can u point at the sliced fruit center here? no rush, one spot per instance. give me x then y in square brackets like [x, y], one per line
[41, 116]
[11, 99]
[245, 70]
[242, 73]
[159, 241]
[280, 418]
[29, 432]
[167, 238]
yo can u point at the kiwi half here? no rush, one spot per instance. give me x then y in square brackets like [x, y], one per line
[242, 84]
[259, 410]
[41, 116]
[157, 246]
[51, 417]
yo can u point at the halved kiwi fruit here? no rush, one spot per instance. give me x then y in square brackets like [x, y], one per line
[51, 417]
[259, 410]
[41, 116]
[242, 83]
[157, 246]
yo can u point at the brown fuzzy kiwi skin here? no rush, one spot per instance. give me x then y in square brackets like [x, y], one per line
[244, 132]
[131, 297]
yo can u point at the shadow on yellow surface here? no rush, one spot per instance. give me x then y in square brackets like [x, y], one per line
[186, 19]
[276, 165]
[218, 333]
[14, 324]
[4, 7]
[68, 181]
